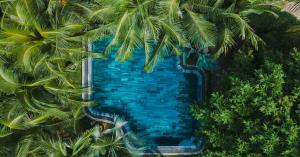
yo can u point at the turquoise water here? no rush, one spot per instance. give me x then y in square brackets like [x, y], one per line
[155, 104]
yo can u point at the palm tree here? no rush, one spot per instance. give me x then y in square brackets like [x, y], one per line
[41, 44]
[110, 141]
[30, 134]
[41, 55]
[40, 58]
[85, 144]
[165, 27]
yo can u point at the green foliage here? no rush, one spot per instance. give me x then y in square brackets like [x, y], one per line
[165, 27]
[279, 33]
[258, 113]
[42, 46]
[43, 43]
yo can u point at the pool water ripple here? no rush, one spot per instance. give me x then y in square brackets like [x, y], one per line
[155, 104]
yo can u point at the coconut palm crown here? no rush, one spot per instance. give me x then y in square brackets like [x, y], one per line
[42, 47]
[164, 27]
[40, 58]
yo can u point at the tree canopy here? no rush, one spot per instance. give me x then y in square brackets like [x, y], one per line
[43, 43]
[256, 112]
[41, 111]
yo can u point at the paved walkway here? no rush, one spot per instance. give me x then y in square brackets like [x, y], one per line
[290, 7]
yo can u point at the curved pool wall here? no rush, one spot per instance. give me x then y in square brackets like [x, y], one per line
[156, 104]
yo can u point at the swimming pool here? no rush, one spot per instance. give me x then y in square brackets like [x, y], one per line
[156, 104]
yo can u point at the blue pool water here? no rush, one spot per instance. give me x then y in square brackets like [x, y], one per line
[155, 104]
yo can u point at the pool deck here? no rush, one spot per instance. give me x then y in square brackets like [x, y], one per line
[290, 7]
[166, 150]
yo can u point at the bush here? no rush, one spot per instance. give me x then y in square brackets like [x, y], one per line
[258, 114]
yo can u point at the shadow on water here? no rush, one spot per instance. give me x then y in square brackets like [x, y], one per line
[156, 104]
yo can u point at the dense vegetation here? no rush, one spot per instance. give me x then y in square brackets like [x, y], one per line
[43, 43]
[257, 114]
[41, 110]
[255, 110]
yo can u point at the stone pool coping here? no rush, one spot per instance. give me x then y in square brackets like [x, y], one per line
[109, 118]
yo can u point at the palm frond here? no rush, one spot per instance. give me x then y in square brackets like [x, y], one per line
[31, 50]
[242, 24]
[173, 31]
[82, 142]
[54, 147]
[120, 27]
[199, 31]
[171, 8]
[156, 54]
[23, 147]
[9, 76]
[147, 45]
[41, 82]
[17, 35]
[4, 132]
[226, 42]
[108, 146]
[13, 123]
[60, 74]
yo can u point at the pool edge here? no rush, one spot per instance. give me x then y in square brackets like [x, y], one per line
[108, 118]
[147, 150]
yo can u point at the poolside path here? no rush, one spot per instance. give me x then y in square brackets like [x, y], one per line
[290, 7]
